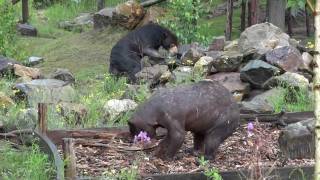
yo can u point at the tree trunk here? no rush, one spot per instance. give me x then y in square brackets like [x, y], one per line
[249, 13]
[100, 4]
[289, 21]
[25, 11]
[254, 11]
[229, 20]
[243, 15]
[276, 13]
[316, 89]
[307, 20]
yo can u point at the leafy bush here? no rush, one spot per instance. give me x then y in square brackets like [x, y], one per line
[183, 19]
[7, 29]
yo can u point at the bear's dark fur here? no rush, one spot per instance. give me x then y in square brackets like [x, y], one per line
[126, 55]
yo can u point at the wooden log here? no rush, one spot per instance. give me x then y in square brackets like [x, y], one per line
[103, 133]
[25, 11]
[69, 156]
[42, 118]
[151, 2]
[228, 30]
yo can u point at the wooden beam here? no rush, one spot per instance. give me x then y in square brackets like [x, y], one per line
[70, 171]
[42, 118]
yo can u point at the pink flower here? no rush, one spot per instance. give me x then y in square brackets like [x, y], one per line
[250, 129]
[142, 137]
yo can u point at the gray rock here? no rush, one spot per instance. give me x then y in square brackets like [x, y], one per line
[261, 38]
[233, 83]
[231, 45]
[27, 30]
[191, 56]
[115, 107]
[296, 141]
[6, 65]
[288, 79]
[45, 91]
[306, 62]
[287, 58]
[136, 92]
[261, 103]
[151, 74]
[33, 60]
[203, 66]
[228, 61]
[183, 74]
[63, 75]
[257, 72]
[217, 44]
[79, 23]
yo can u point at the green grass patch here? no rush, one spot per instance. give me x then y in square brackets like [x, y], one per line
[24, 163]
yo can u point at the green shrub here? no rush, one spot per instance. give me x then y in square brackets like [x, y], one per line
[183, 19]
[7, 29]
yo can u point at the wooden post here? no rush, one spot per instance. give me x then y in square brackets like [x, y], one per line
[307, 20]
[42, 118]
[316, 90]
[229, 20]
[100, 4]
[25, 11]
[69, 156]
[243, 15]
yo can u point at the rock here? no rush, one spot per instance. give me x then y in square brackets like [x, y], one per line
[127, 15]
[182, 74]
[228, 61]
[296, 141]
[27, 119]
[115, 107]
[136, 93]
[151, 74]
[231, 45]
[306, 62]
[27, 30]
[45, 91]
[165, 77]
[191, 56]
[257, 72]
[217, 44]
[288, 79]
[6, 65]
[33, 60]
[79, 23]
[5, 101]
[63, 75]
[203, 66]
[79, 111]
[287, 58]
[261, 38]
[151, 16]
[23, 79]
[261, 103]
[23, 71]
[233, 83]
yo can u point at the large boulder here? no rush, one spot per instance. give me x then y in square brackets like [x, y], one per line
[191, 55]
[288, 79]
[232, 82]
[127, 15]
[261, 38]
[261, 103]
[27, 30]
[45, 91]
[151, 74]
[151, 16]
[203, 66]
[296, 141]
[257, 72]
[287, 58]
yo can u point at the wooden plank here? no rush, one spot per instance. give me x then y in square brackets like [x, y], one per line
[42, 118]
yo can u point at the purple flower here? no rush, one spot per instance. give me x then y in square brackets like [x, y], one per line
[250, 129]
[142, 137]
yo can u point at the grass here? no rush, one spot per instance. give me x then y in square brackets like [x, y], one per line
[293, 100]
[24, 163]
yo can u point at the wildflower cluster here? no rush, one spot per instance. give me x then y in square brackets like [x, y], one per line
[142, 137]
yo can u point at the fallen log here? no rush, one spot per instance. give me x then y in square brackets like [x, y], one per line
[151, 2]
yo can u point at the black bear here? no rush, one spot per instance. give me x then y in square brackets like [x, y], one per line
[126, 55]
[206, 108]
